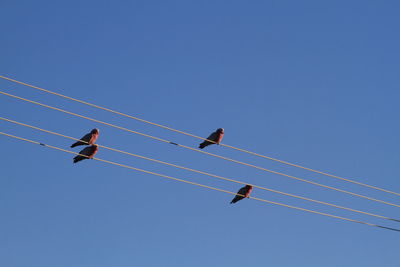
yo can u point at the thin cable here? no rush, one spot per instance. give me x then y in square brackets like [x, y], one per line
[201, 151]
[198, 137]
[201, 185]
[204, 173]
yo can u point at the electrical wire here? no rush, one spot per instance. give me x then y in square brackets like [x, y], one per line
[201, 172]
[201, 151]
[198, 137]
[202, 185]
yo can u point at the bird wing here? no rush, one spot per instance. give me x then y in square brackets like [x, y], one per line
[242, 191]
[87, 138]
[213, 136]
[86, 151]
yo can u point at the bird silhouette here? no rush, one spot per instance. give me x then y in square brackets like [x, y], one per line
[216, 137]
[87, 139]
[242, 193]
[86, 153]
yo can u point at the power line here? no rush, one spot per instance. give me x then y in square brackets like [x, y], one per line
[202, 172]
[201, 151]
[198, 137]
[202, 185]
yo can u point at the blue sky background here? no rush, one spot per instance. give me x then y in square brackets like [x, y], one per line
[310, 82]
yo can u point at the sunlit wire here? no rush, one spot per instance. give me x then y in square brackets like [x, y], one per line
[201, 172]
[201, 151]
[198, 137]
[204, 186]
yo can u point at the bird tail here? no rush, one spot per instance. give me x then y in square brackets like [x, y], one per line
[77, 158]
[74, 144]
[202, 145]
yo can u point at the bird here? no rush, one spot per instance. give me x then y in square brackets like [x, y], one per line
[242, 193]
[86, 153]
[215, 136]
[87, 139]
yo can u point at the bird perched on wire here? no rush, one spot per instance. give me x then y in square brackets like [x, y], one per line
[242, 193]
[216, 137]
[86, 153]
[87, 139]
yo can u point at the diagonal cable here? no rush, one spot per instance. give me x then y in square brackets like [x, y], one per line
[198, 137]
[201, 151]
[204, 186]
[202, 172]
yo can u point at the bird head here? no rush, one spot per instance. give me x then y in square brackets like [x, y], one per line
[95, 131]
[94, 147]
[220, 130]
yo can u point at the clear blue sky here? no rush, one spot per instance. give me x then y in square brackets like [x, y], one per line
[310, 82]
